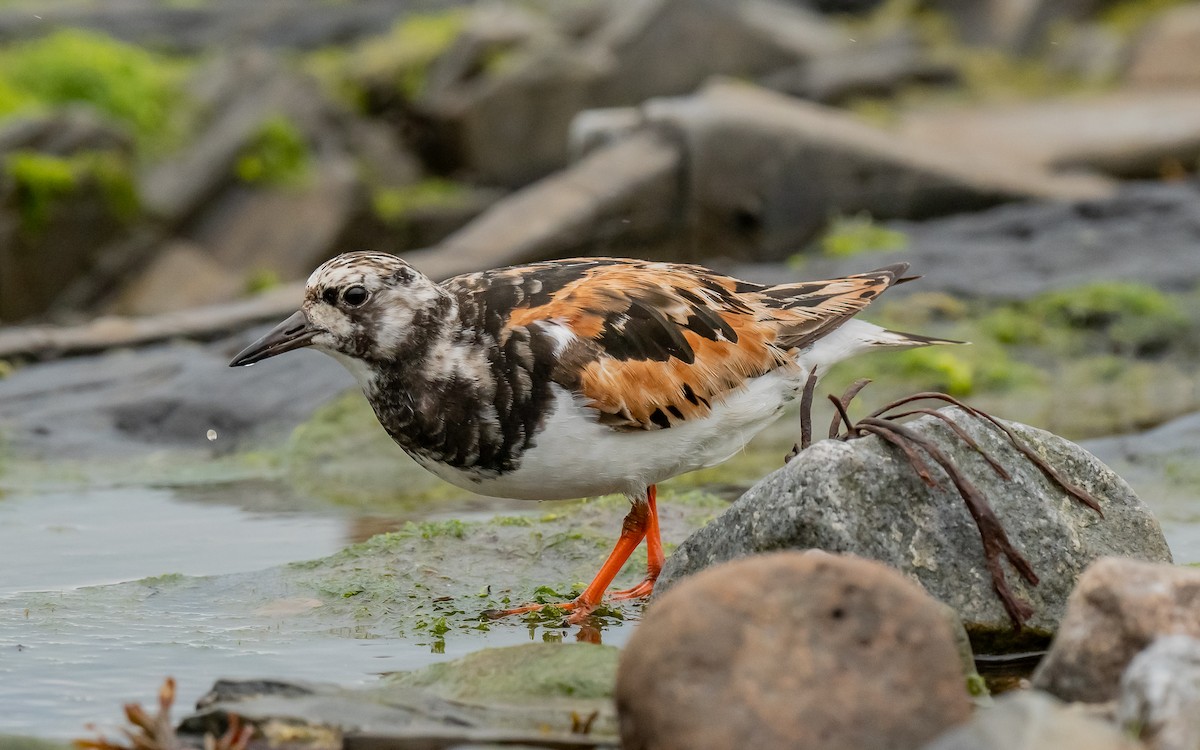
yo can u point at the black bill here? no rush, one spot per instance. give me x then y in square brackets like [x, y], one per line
[294, 333]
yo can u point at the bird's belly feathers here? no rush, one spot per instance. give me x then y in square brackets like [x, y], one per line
[575, 456]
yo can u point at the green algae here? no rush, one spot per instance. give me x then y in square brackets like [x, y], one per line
[137, 88]
[530, 673]
[43, 183]
[436, 579]
[1127, 17]
[403, 56]
[395, 205]
[276, 155]
[853, 235]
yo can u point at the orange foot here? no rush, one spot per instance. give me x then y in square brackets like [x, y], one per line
[640, 523]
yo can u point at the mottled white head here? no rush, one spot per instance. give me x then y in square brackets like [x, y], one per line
[364, 306]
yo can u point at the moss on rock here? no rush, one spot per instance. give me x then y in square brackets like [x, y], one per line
[133, 86]
[41, 182]
[530, 673]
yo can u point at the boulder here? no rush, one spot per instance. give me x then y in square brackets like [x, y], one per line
[1032, 720]
[124, 404]
[862, 497]
[868, 68]
[1017, 251]
[614, 199]
[180, 275]
[1167, 52]
[499, 101]
[65, 131]
[1160, 694]
[791, 650]
[195, 29]
[1127, 133]
[548, 687]
[765, 171]
[286, 230]
[1119, 607]
[1019, 26]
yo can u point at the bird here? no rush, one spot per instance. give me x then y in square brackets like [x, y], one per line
[579, 377]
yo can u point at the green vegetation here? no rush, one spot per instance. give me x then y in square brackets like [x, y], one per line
[1092, 360]
[277, 155]
[1127, 17]
[262, 280]
[985, 74]
[852, 235]
[394, 205]
[41, 182]
[529, 673]
[1121, 317]
[402, 57]
[135, 87]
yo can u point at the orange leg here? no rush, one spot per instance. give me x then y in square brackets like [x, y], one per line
[654, 553]
[641, 518]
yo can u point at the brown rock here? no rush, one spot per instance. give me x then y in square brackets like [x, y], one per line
[288, 230]
[1116, 610]
[794, 649]
[182, 275]
[1124, 134]
[1167, 53]
[616, 197]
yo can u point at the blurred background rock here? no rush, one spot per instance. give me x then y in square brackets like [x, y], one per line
[1036, 160]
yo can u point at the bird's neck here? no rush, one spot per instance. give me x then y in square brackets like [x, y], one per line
[429, 395]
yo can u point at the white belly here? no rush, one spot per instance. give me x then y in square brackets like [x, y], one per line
[575, 456]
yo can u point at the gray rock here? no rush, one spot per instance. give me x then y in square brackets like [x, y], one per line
[878, 68]
[1161, 464]
[1032, 720]
[241, 91]
[1018, 251]
[1160, 694]
[457, 703]
[63, 132]
[299, 24]
[123, 403]
[1119, 607]
[1017, 25]
[509, 124]
[823, 161]
[863, 498]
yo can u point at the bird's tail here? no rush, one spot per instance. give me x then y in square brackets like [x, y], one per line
[884, 337]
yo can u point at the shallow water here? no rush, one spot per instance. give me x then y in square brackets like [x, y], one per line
[73, 646]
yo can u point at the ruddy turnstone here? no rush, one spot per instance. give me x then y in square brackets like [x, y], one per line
[581, 377]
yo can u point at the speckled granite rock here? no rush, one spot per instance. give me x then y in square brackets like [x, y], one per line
[864, 498]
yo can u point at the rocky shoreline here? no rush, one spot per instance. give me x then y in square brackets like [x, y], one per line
[1035, 162]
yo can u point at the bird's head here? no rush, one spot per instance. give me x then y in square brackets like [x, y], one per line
[364, 306]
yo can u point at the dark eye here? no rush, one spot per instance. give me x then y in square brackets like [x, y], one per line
[354, 296]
